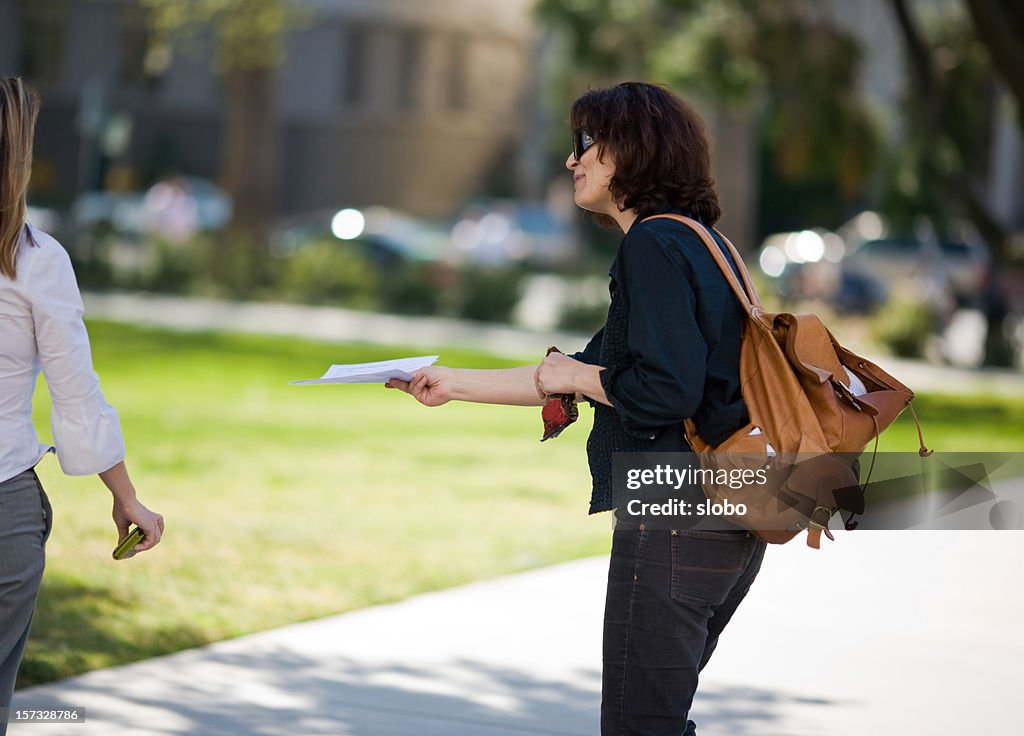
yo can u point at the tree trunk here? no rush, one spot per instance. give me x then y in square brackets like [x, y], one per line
[249, 172]
[1000, 26]
[250, 150]
[932, 92]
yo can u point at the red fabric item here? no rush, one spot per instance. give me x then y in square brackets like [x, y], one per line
[559, 411]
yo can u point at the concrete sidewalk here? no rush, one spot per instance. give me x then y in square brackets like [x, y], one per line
[880, 632]
[329, 324]
[432, 333]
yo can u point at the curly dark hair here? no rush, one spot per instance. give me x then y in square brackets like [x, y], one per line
[659, 146]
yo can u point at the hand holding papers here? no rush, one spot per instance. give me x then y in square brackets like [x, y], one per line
[379, 372]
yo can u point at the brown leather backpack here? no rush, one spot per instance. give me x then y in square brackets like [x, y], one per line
[807, 421]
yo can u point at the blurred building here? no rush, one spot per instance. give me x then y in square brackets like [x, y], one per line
[399, 102]
[415, 104]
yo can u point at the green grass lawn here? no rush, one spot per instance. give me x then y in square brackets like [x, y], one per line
[286, 503]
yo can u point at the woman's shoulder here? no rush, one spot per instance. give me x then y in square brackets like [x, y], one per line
[38, 244]
[40, 252]
[657, 240]
[665, 228]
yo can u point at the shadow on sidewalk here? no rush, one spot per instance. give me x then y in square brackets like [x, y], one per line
[275, 691]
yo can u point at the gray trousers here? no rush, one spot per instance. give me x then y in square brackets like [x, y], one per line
[25, 521]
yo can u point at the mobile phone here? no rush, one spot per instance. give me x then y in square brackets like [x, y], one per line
[134, 537]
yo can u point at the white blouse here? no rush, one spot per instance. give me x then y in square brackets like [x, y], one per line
[41, 327]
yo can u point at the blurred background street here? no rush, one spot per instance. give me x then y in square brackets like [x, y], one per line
[408, 157]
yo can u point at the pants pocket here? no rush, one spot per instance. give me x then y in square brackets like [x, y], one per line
[47, 509]
[707, 564]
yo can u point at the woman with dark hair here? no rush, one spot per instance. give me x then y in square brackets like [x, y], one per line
[668, 352]
[41, 328]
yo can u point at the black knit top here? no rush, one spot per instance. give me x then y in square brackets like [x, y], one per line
[670, 348]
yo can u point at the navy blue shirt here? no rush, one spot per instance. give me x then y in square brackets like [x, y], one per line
[670, 348]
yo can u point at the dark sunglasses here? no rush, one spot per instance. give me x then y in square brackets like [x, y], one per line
[581, 141]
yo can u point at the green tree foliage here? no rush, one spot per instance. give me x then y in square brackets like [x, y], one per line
[1000, 28]
[954, 56]
[948, 135]
[795, 69]
[788, 59]
[249, 34]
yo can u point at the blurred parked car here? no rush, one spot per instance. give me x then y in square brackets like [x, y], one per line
[383, 235]
[940, 269]
[213, 204]
[125, 213]
[807, 265]
[488, 233]
[119, 212]
[863, 265]
[946, 302]
[501, 231]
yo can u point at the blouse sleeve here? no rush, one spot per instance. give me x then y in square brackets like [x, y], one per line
[663, 381]
[86, 429]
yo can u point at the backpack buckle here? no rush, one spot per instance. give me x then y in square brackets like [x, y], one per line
[823, 526]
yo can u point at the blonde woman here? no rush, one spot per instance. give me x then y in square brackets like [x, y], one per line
[41, 328]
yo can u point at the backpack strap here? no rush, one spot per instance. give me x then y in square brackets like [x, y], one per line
[741, 266]
[746, 293]
[748, 297]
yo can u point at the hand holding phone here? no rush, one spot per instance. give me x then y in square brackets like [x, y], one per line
[124, 549]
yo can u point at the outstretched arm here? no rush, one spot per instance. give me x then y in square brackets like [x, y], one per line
[528, 385]
[437, 385]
